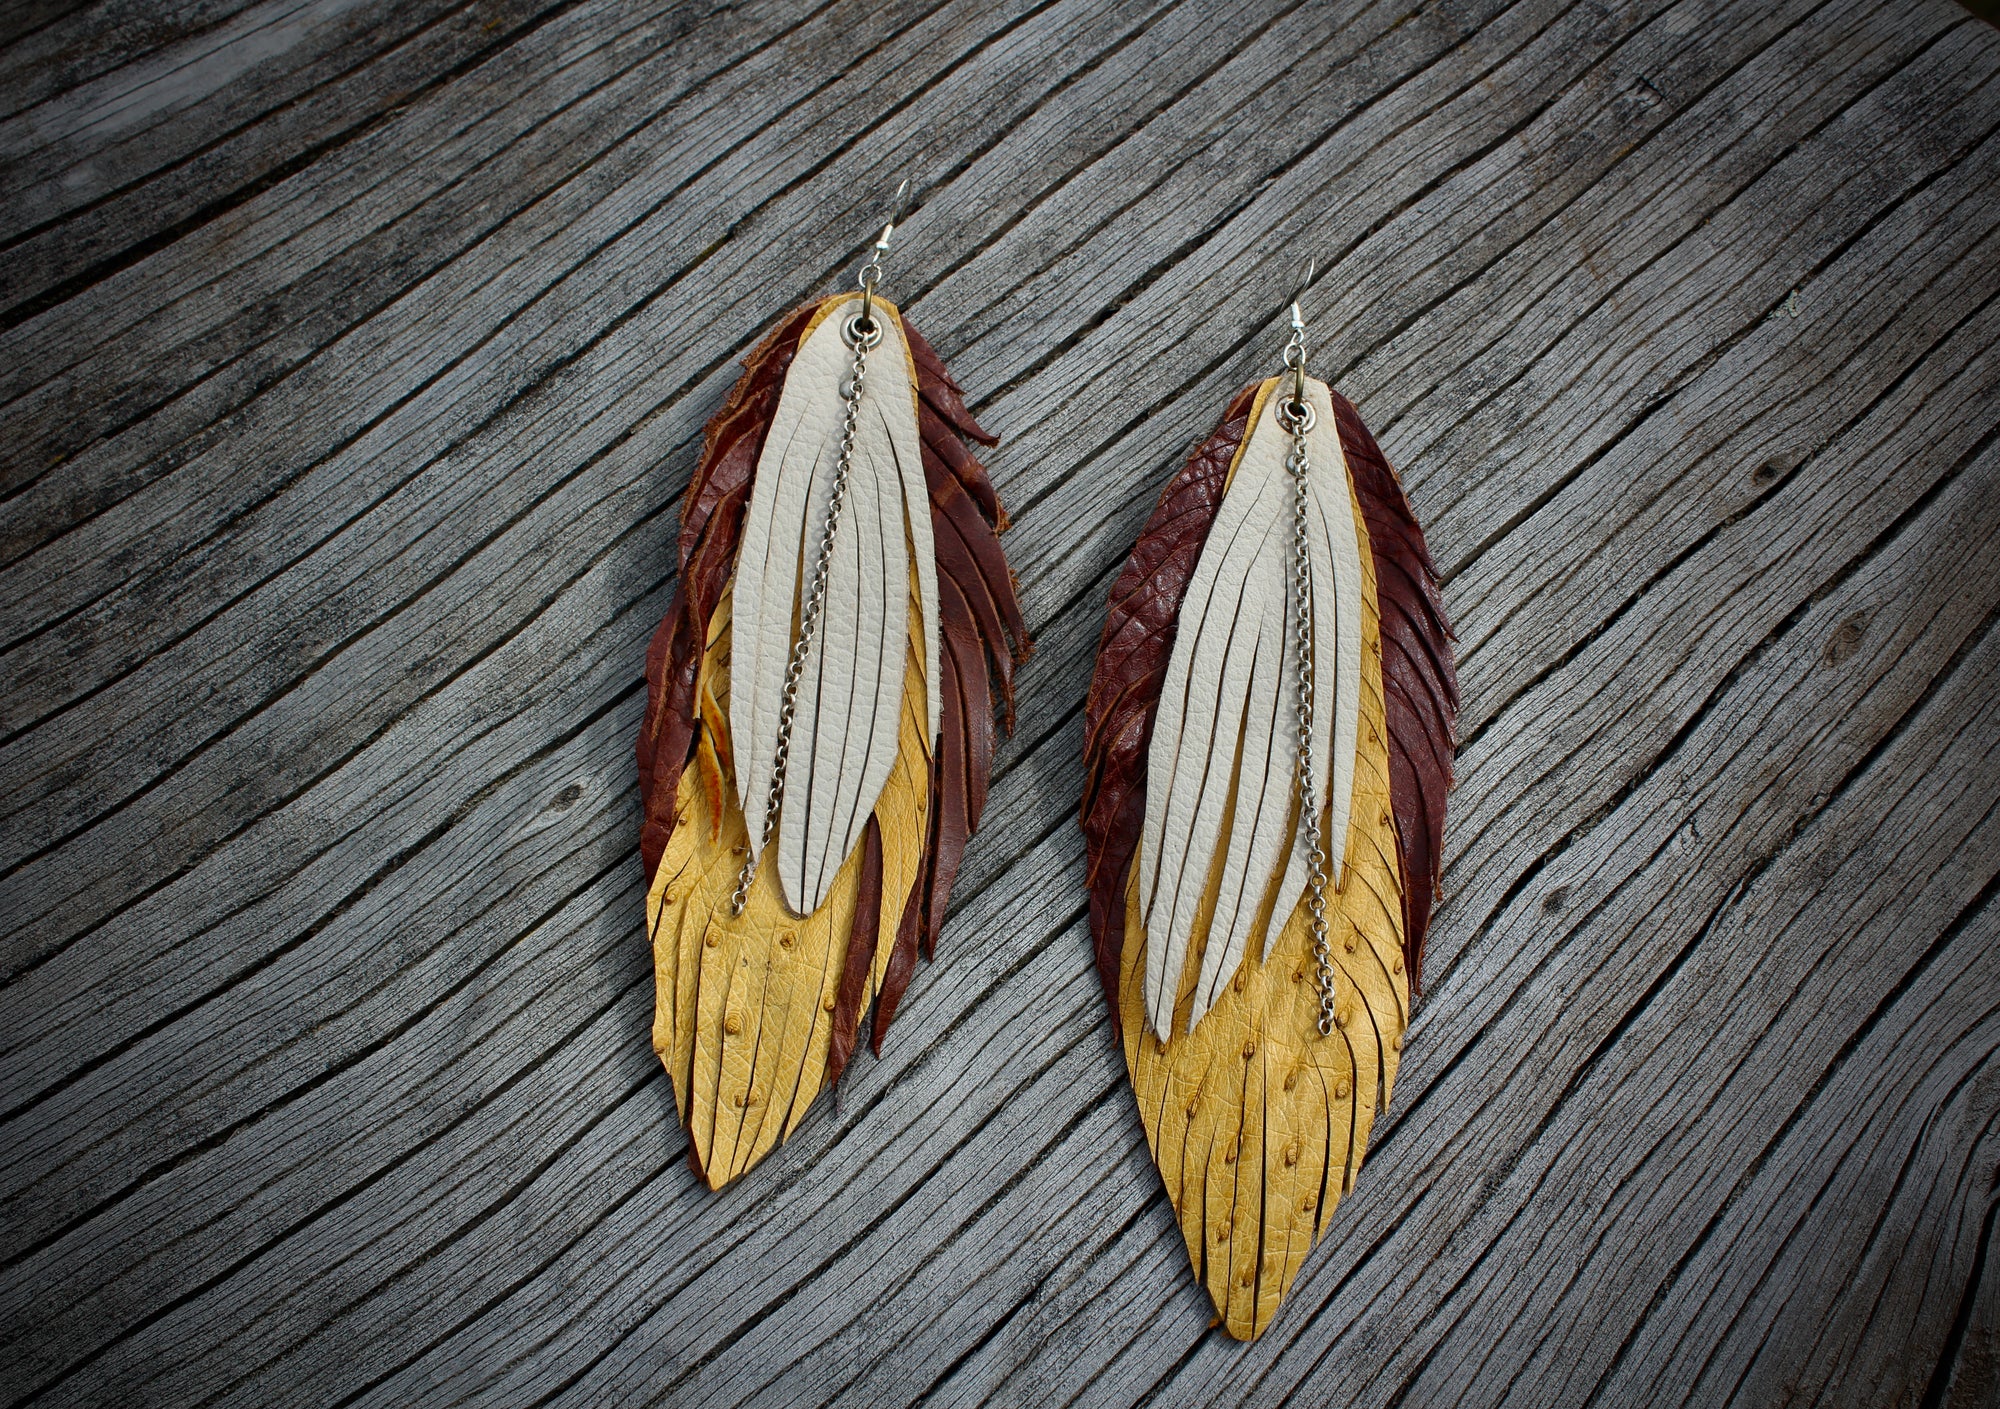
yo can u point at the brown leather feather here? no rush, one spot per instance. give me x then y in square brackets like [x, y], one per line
[1419, 677]
[936, 386]
[711, 528]
[981, 634]
[902, 960]
[964, 757]
[860, 961]
[1132, 657]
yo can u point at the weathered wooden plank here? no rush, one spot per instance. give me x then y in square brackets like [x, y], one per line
[1388, 1301]
[1747, 1077]
[253, 923]
[164, 351]
[330, 1079]
[1923, 1079]
[1969, 1371]
[655, 611]
[103, 172]
[47, 46]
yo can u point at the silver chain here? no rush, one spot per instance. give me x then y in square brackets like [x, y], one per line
[1296, 415]
[861, 336]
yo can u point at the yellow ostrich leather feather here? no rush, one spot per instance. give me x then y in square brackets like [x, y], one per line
[1258, 1121]
[744, 1009]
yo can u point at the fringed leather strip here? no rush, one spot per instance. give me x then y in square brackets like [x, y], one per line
[983, 631]
[1420, 680]
[711, 527]
[1132, 660]
[860, 961]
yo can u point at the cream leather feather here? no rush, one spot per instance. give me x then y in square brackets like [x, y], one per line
[1220, 785]
[845, 732]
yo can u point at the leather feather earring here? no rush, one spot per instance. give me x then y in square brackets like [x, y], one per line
[819, 723]
[1267, 747]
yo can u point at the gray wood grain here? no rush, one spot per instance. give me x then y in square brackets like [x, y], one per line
[348, 396]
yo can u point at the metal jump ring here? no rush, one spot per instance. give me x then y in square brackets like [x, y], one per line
[855, 334]
[1298, 417]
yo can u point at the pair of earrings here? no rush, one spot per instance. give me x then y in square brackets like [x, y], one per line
[1268, 744]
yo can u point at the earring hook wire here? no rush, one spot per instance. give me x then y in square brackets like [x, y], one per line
[1294, 406]
[871, 272]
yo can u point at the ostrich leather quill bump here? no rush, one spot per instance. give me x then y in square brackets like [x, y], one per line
[1257, 1123]
[755, 1013]
[747, 1004]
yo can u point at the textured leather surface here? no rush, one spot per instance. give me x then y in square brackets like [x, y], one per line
[1257, 1123]
[983, 631]
[1333, 498]
[1420, 677]
[711, 528]
[1132, 656]
[747, 1006]
[864, 936]
[1421, 686]
[1221, 827]
[844, 738]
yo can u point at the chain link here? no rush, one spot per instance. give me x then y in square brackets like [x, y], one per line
[861, 336]
[1296, 415]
